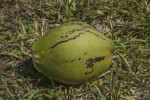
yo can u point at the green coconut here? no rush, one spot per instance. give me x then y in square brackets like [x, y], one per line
[73, 53]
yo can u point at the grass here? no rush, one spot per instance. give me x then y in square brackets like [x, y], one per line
[126, 22]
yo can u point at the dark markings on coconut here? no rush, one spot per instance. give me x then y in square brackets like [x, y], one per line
[85, 27]
[86, 73]
[79, 59]
[51, 51]
[96, 35]
[85, 53]
[72, 60]
[61, 36]
[70, 32]
[66, 40]
[74, 30]
[90, 62]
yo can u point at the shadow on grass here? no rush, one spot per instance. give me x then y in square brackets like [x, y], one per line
[28, 71]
